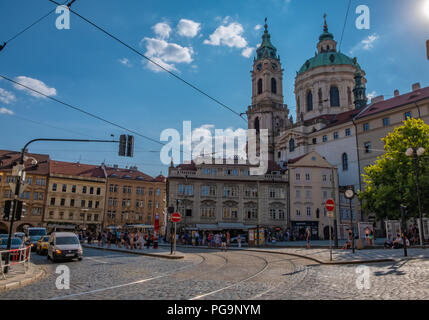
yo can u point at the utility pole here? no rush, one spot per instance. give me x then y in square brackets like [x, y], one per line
[404, 227]
[335, 211]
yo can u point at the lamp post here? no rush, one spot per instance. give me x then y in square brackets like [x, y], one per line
[349, 194]
[415, 153]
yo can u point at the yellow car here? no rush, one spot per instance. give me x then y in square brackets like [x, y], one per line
[42, 245]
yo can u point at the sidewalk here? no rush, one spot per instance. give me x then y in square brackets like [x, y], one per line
[16, 278]
[322, 255]
[161, 252]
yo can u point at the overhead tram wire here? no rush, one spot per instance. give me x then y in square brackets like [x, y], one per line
[152, 61]
[29, 27]
[345, 23]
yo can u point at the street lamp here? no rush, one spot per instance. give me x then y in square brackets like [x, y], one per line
[349, 194]
[415, 153]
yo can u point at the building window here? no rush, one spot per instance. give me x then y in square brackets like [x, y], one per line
[386, 122]
[366, 127]
[314, 140]
[185, 189]
[84, 189]
[91, 190]
[273, 214]
[307, 176]
[298, 176]
[257, 125]
[335, 96]
[325, 138]
[298, 194]
[52, 201]
[320, 97]
[324, 177]
[291, 145]
[308, 212]
[309, 101]
[208, 212]
[407, 115]
[273, 86]
[158, 191]
[335, 135]
[251, 192]
[367, 147]
[71, 202]
[63, 202]
[64, 189]
[251, 213]
[230, 213]
[54, 187]
[349, 96]
[90, 204]
[73, 188]
[345, 162]
[259, 86]
[298, 212]
[230, 191]
[208, 191]
[348, 132]
[82, 204]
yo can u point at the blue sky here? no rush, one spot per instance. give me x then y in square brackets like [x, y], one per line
[209, 43]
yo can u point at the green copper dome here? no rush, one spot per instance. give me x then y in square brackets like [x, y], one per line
[327, 59]
[266, 49]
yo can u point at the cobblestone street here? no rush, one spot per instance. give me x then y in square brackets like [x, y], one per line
[212, 275]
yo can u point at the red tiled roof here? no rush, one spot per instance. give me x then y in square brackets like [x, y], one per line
[272, 166]
[396, 102]
[160, 178]
[7, 159]
[294, 160]
[76, 169]
[131, 174]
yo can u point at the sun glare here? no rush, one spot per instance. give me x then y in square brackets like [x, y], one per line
[426, 8]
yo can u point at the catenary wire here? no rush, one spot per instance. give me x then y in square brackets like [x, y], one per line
[152, 61]
[345, 23]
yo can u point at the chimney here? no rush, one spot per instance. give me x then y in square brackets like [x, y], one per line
[416, 86]
[396, 93]
[377, 99]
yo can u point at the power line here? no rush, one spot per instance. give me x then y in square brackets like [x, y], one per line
[152, 61]
[345, 22]
[31, 25]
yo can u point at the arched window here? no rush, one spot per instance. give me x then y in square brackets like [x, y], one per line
[291, 145]
[349, 96]
[259, 86]
[309, 101]
[345, 162]
[298, 106]
[273, 85]
[335, 96]
[320, 97]
[257, 125]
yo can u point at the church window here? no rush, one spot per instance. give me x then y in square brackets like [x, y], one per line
[291, 145]
[273, 85]
[320, 97]
[257, 125]
[349, 95]
[309, 101]
[335, 97]
[259, 86]
[345, 162]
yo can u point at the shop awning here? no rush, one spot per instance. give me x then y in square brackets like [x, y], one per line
[234, 226]
[207, 226]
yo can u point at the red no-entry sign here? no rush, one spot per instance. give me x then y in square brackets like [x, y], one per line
[176, 217]
[330, 205]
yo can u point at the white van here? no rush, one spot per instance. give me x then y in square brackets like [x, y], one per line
[64, 246]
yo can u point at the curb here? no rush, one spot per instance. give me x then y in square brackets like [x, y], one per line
[156, 255]
[22, 283]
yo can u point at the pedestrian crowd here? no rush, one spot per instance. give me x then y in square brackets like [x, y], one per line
[120, 239]
[411, 238]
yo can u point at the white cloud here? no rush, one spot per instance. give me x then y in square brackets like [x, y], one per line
[125, 62]
[247, 52]
[7, 96]
[36, 85]
[371, 95]
[155, 68]
[366, 44]
[188, 28]
[162, 30]
[166, 54]
[229, 35]
[6, 111]
[258, 27]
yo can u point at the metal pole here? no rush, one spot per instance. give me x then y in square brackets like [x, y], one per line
[351, 225]
[174, 239]
[418, 197]
[404, 227]
[330, 240]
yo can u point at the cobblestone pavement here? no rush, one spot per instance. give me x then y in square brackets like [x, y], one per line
[212, 275]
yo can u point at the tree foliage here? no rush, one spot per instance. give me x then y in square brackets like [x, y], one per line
[391, 181]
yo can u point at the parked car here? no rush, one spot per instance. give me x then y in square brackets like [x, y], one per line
[42, 245]
[243, 239]
[20, 235]
[64, 246]
[16, 243]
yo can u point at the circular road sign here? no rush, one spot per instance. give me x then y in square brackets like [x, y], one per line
[330, 205]
[176, 217]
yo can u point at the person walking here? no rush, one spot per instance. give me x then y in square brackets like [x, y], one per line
[239, 241]
[223, 239]
[308, 237]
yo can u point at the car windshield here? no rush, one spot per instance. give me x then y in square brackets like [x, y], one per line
[45, 239]
[15, 242]
[67, 240]
[36, 232]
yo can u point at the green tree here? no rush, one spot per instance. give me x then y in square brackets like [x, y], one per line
[390, 182]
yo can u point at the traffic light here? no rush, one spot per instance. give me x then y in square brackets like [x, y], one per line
[130, 146]
[6, 211]
[126, 146]
[122, 145]
[18, 211]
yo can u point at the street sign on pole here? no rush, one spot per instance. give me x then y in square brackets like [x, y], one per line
[176, 217]
[330, 205]
[330, 214]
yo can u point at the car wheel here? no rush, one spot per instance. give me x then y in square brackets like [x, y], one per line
[79, 259]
